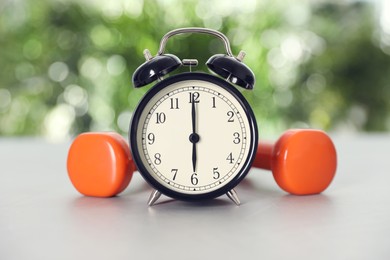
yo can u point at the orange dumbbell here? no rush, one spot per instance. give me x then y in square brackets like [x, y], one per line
[100, 164]
[302, 161]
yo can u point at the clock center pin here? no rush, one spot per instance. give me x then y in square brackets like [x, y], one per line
[194, 138]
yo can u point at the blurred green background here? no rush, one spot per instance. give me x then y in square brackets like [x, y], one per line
[66, 66]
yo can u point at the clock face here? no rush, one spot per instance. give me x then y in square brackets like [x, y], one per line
[193, 136]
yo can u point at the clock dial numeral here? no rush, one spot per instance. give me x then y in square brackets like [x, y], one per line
[151, 138]
[174, 172]
[194, 179]
[230, 158]
[174, 103]
[157, 158]
[216, 174]
[194, 97]
[230, 114]
[161, 117]
[236, 139]
[213, 103]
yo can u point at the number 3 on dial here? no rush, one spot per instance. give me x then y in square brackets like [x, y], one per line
[193, 136]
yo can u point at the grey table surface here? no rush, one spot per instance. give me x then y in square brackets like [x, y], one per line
[43, 217]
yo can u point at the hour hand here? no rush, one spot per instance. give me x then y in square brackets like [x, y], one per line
[194, 157]
[194, 138]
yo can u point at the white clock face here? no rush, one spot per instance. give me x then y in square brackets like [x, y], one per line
[194, 137]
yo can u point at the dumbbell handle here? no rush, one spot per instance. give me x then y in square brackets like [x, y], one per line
[264, 156]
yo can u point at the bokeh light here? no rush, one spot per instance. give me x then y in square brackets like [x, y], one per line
[66, 65]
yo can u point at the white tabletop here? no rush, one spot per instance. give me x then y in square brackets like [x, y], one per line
[43, 217]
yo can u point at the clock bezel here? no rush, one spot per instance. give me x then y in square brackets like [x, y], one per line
[136, 120]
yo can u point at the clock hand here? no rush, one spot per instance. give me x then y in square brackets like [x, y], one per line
[194, 137]
[194, 157]
[193, 116]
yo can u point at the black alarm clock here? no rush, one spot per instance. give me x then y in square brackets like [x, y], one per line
[193, 136]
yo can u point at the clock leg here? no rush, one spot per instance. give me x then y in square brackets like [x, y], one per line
[154, 197]
[233, 196]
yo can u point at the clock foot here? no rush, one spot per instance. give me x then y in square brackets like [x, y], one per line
[154, 197]
[233, 196]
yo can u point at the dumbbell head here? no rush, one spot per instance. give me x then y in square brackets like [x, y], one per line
[304, 161]
[100, 164]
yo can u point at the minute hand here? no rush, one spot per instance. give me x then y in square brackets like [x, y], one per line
[193, 116]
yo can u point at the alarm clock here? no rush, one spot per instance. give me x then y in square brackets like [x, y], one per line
[193, 136]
